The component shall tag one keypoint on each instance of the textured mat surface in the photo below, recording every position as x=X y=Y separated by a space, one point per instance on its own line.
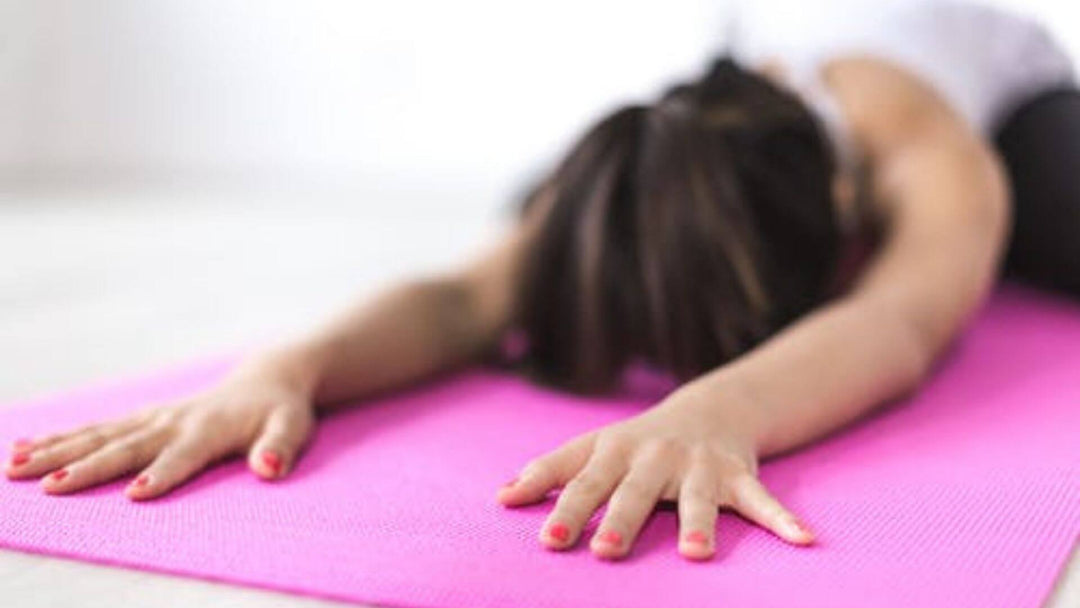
x=968 y=494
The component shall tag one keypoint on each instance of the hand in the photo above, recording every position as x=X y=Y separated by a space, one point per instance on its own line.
x=259 y=409
x=684 y=449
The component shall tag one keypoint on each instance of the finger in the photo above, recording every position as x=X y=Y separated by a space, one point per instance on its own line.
x=22 y=444
x=752 y=500
x=176 y=463
x=27 y=464
x=580 y=498
x=698 y=507
x=30 y=444
x=628 y=508
x=116 y=458
x=284 y=434
x=552 y=470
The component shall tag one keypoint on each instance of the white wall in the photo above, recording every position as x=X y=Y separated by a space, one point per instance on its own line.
x=456 y=90
x=468 y=90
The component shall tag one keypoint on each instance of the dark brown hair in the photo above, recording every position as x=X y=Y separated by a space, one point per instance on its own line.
x=680 y=233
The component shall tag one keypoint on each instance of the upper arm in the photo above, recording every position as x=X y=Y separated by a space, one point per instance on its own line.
x=943 y=194
x=486 y=286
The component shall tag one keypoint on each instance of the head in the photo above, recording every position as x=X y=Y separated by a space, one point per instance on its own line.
x=680 y=233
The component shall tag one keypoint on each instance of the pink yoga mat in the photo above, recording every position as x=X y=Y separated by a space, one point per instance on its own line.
x=968 y=494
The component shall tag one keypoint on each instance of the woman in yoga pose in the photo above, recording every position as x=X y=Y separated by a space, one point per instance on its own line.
x=794 y=244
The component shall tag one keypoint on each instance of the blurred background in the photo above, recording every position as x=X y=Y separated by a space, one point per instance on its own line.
x=181 y=178
x=178 y=178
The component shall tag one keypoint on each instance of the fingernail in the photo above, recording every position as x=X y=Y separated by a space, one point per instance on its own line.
x=798 y=528
x=59 y=474
x=141 y=480
x=272 y=461
x=697 y=537
x=559 y=532
x=611 y=537
x=20 y=458
x=22 y=444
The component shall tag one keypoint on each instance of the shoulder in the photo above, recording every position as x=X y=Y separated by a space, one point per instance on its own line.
x=888 y=106
x=913 y=140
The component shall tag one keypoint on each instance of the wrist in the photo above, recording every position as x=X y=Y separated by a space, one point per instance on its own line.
x=727 y=405
x=299 y=367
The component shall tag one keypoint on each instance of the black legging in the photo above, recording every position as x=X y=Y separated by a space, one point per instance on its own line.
x=1040 y=143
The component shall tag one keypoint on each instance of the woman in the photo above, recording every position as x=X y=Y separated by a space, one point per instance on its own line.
x=795 y=246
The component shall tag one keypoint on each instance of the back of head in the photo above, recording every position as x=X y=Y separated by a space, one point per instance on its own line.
x=680 y=233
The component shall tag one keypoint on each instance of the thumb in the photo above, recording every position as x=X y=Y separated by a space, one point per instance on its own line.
x=284 y=434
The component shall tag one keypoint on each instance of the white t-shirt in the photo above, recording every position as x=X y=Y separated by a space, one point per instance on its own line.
x=984 y=61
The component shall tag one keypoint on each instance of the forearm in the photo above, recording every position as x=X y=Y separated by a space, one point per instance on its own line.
x=819 y=374
x=405 y=333
x=879 y=342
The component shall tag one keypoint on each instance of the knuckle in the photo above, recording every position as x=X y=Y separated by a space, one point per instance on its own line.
x=770 y=512
x=537 y=467
x=661 y=452
x=725 y=496
x=735 y=489
x=203 y=424
x=614 y=441
x=148 y=413
x=738 y=488
x=588 y=484
x=53 y=438
x=163 y=433
x=736 y=469
x=94 y=435
x=698 y=493
x=210 y=419
x=165 y=417
x=309 y=418
x=175 y=457
x=195 y=428
x=704 y=454
x=301 y=419
x=161 y=424
x=188 y=444
x=741 y=479
x=126 y=452
x=79 y=430
x=635 y=490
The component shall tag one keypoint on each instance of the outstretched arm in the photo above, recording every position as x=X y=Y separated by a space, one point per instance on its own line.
x=410 y=331
x=947 y=216
x=944 y=195
x=266 y=406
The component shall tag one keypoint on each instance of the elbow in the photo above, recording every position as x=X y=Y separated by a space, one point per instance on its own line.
x=917 y=369
x=909 y=350
x=915 y=356
x=458 y=315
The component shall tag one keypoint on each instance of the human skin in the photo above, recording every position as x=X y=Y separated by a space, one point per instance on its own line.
x=941 y=194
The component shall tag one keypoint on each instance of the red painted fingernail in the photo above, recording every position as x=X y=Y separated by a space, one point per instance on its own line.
x=59 y=474
x=611 y=537
x=559 y=532
x=141 y=480
x=697 y=537
x=272 y=461
x=20 y=458
x=22 y=444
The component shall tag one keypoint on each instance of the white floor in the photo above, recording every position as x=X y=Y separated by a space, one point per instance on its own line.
x=100 y=283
